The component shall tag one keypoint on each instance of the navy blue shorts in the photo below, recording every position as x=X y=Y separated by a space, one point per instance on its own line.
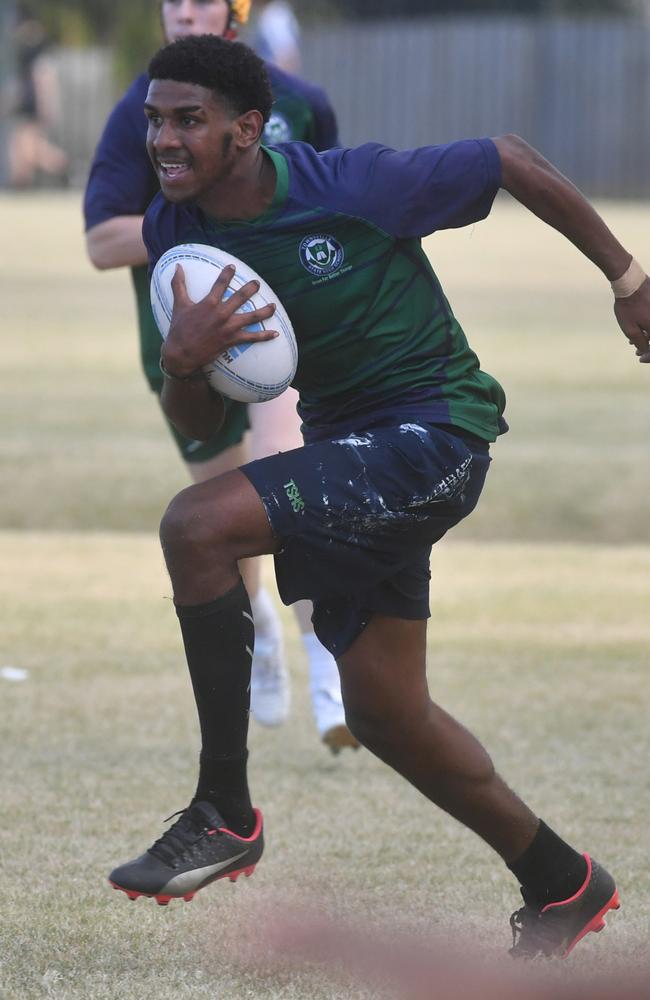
x=356 y=518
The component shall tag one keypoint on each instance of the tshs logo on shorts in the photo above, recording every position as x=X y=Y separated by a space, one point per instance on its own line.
x=277 y=130
x=293 y=494
x=321 y=254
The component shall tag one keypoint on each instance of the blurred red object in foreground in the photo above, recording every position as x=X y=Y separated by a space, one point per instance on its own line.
x=400 y=964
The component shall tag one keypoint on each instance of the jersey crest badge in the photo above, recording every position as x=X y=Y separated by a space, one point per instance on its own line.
x=277 y=130
x=321 y=254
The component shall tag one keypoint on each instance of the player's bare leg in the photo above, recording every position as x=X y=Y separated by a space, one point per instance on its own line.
x=200 y=472
x=388 y=708
x=205 y=532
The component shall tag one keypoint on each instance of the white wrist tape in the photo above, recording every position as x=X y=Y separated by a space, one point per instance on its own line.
x=630 y=282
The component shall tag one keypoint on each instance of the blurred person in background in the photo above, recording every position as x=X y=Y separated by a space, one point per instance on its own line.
x=35 y=107
x=277 y=35
x=120 y=187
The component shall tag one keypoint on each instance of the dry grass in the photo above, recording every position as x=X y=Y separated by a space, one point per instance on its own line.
x=527 y=647
x=540 y=648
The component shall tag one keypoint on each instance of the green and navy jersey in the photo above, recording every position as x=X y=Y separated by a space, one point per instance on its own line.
x=122 y=180
x=340 y=246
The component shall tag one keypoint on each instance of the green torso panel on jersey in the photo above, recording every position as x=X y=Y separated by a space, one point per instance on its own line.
x=122 y=180
x=340 y=246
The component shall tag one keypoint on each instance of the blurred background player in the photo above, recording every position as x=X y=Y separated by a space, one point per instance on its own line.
x=277 y=35
x=120 y=186
x=35 y=107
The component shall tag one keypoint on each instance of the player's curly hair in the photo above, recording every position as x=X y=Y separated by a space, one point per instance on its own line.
x=230 y=69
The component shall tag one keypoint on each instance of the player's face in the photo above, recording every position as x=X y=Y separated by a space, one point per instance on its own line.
x=193 y=17
x=190 y=139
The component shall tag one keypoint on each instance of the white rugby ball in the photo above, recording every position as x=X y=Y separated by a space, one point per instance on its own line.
x=249 y=372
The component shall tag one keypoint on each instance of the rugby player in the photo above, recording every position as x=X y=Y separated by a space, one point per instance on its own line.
x=398 y=420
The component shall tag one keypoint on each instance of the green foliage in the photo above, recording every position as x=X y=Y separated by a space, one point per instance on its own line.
x=130 y=27
x=137 y=35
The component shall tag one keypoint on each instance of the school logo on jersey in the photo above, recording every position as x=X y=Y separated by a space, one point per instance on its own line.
x=321 y=254
x=276 y=130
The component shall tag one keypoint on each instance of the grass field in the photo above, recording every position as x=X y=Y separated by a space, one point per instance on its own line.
x=539 y=640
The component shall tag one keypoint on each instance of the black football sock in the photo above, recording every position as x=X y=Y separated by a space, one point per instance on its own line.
x=549 y=870
x=222 y=781
x=218 y=639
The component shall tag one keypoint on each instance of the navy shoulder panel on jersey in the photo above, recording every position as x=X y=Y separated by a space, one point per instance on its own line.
x=405 y=194
x=121 y=181
x=409 y=193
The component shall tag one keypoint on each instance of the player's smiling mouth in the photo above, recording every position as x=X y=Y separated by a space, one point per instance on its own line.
x=171 y=169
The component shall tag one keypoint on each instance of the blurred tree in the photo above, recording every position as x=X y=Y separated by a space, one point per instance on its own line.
x=131 y=27
x=136 y=36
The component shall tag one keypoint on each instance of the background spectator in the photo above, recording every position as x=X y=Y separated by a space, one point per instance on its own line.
x=35 y=107
x=277 y=35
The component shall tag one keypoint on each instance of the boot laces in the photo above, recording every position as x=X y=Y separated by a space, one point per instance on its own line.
x=532 y=934
x=179 y=839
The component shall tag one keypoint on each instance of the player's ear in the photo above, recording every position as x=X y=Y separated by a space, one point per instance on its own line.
x=249 y=128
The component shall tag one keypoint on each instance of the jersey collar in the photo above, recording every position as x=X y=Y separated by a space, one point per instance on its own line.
x=282 y=179
x=279 y=196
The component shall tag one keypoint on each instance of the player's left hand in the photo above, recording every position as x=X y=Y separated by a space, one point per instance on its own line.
x=633 y=315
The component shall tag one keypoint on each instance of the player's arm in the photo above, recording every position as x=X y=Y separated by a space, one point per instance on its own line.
x=117 y=242
x=196 y=410
x=120 y=186
x=541 y=188
x=200 y=332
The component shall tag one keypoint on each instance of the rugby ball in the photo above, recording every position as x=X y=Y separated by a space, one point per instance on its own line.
x=249 y=372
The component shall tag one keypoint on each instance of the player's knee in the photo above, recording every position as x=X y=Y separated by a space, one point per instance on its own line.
x=188 y=524
x=372 y=724
x=384 y=724
x=361 y=728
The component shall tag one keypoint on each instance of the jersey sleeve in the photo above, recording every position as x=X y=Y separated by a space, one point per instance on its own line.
x=416 y=192
x=151 y=232
x=121 y=180
x=160 y=228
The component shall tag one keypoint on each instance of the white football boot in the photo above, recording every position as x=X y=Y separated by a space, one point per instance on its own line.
x=327 y=703
x=270 y=686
